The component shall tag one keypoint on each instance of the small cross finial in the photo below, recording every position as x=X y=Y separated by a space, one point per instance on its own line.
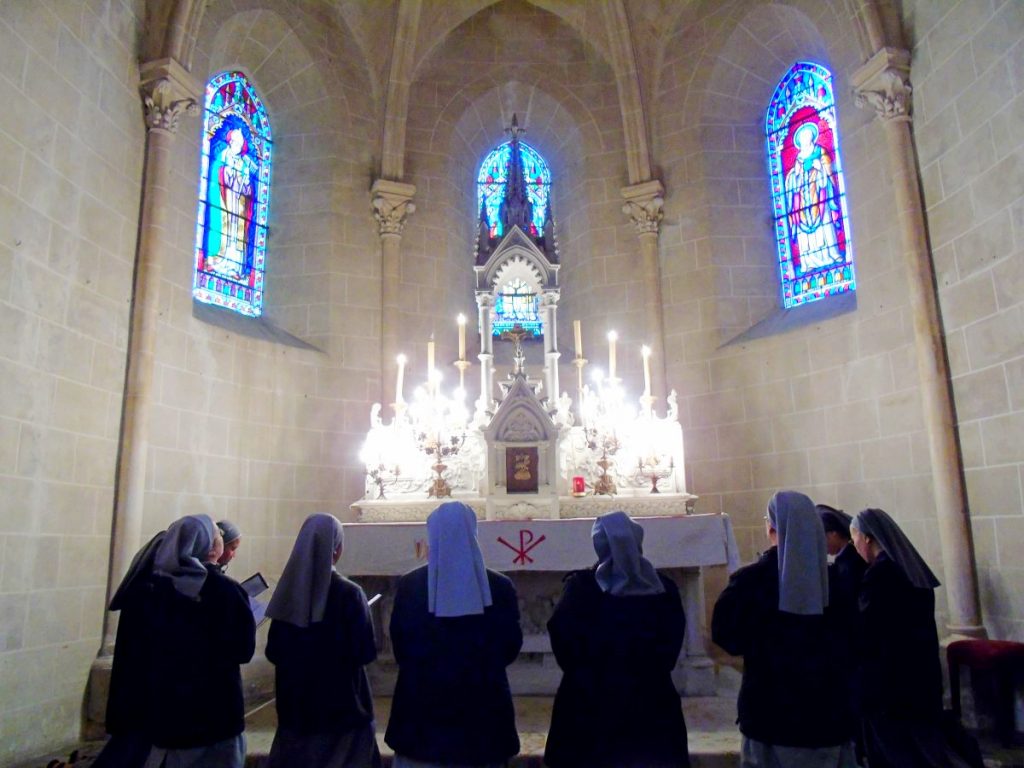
x=514 y=130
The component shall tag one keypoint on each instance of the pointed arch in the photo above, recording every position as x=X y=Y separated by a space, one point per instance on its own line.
x=490 y=185
x=234 y=196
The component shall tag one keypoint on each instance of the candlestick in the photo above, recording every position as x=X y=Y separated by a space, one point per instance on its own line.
x=578 y=334
x=645 y=351
x=612 y=338
x=462 y=337
x=401 y=379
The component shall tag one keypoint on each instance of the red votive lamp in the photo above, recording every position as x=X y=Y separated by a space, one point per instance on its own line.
x=578 y=486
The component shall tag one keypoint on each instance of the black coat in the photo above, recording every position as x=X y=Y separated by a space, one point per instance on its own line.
x=320 y=681
x=196 y=647
x=126 y=712
x=900 y=673
x=848 y=569
x=790 y=694
x=616 y=706
x=452 y=701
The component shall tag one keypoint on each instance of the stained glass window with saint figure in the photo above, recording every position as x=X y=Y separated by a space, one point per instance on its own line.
x=812 y=229
x=234 y=197
x=516 y=303
x=491 y=185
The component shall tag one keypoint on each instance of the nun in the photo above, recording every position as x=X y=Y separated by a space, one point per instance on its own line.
x=199 y=629
x=847 y=565
x=454 y=630
x=320 y=640
x=900 y=678
x=129 y=743
x=775 y=613
x=232 y=536
x=616 y=633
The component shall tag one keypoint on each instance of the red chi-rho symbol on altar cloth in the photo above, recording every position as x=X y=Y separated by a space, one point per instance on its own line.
x=526 y=544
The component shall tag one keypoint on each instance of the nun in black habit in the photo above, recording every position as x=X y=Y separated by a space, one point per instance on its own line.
x=616 y=633
x=775 y=613
x=129 y=743
x=321 y=637
x=900 y=678
x=199 y=629
x=454 y=630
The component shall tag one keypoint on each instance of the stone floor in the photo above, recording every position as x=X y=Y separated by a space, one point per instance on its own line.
x=714 y=738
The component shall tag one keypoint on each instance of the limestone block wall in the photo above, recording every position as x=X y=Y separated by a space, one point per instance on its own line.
x=260 y=430
x=71 y=150
x=968 y=77
x=832 y=408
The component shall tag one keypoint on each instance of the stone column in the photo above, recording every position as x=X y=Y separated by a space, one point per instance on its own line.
x=167 y=90
x=485 y=305
x=883 y=84
x=549 y=305
x=392 y=204
x=644 y=203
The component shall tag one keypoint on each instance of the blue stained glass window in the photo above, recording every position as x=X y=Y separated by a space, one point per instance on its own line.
x=516 y=303
x=491 y=185
x=812 y=228
x=234 y=197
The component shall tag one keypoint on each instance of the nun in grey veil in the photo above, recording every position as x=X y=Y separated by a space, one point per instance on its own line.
x=320 y=640
x=900 y=677
x=200 y=630
x=775 y=614
x=617 y=632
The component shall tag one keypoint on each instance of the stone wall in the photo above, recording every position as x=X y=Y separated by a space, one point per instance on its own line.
x=71 y=150
x=968 y=77
x=829 y=408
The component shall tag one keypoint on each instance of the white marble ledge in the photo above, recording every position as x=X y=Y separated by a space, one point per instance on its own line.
x=523 y=507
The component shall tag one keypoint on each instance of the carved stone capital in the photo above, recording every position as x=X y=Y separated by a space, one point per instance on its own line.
x=883 y=84
x=644 y=205
x=392 y=204
x=168 y=90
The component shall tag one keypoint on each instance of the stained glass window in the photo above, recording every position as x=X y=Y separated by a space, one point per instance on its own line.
x=491 y=185
x=234 y=197
x=812 y=229
x=516 y=303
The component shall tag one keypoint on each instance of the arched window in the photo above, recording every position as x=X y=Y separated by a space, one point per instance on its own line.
x=812 y=229
x=491 y=186
x=516 y=304
x=234 y=197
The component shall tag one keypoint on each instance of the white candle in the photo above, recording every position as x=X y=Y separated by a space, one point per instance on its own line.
x=612 y=338
x=645 y=351
x=401 y=379
x=578 y=334
x=430 y=361
x=462 y=337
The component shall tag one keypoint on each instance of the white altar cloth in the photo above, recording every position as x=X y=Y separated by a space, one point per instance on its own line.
x=691 y=541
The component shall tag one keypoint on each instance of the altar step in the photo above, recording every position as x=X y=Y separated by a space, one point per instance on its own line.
x=714 y=738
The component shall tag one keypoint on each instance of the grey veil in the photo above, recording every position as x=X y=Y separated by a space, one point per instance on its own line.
x=877 y=524
x=803 y=563
x=623 y=570
x=301 y=595
x=181 y=556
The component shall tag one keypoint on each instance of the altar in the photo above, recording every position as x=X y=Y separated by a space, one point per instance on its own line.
x=536 y=554
x=536 y=465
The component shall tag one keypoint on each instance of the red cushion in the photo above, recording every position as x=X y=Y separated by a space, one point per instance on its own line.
x=985 y=654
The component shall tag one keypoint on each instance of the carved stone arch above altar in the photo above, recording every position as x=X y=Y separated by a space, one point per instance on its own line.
x=517 y=256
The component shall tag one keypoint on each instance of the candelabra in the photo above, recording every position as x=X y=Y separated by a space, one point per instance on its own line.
x=439 y=427
x=654 y=469
x=382 y=475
